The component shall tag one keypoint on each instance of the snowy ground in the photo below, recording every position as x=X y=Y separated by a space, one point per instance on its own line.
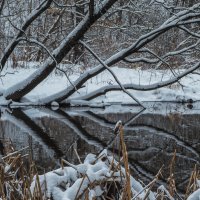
x=57 y=82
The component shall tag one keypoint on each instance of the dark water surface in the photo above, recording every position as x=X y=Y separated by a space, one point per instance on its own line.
x=151 y=136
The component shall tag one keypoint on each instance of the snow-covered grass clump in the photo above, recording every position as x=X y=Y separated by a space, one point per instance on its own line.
x=102 y=177
x=97 y=177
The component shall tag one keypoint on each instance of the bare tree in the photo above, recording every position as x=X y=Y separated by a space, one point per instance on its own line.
x=59 y=53
x=178 y=27
x=21 y=31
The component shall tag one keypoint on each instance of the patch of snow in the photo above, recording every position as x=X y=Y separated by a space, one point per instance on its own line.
x=94 y=169
x=4 y=102
x=57 y=82
x=54 y=105
x=7 y=168
x=195 y=195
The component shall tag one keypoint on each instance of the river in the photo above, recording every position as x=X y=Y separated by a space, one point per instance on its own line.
x=151 y=136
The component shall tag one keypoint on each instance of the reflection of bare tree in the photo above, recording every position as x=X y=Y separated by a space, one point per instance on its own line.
x=143 y=158
x=166 y=134
x=139 y=170
x=73 y=123
x=145 y=149
x=142 y=126
x=144 y=175
x=148 y=153
x=19 y=118
x=82 y=133
x=102 y=120
x=76 y=126
x=96 y=118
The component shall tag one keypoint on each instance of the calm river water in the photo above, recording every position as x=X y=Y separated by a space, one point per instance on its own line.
x=151 y=136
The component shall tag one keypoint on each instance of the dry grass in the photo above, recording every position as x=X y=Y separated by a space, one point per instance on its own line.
x=192 y=185
x=17 y=171
x=16 y=174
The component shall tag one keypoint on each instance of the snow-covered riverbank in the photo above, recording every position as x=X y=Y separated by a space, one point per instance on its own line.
x=185 y=91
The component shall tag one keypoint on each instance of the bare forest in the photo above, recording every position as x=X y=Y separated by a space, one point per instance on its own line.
x=58 y=35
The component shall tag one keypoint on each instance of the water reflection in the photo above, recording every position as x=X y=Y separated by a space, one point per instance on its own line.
x=151 y=135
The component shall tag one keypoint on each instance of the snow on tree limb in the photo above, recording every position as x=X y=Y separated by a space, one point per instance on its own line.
x=191 y=15
x=172 y=22
x=160 y=58
x=112 y=73
x=25 y=86
x=154 y=86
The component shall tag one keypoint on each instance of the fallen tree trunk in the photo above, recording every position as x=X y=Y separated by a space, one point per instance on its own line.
x=24 y=87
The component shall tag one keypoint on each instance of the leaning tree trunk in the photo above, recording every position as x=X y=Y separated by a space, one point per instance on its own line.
x=78 y=50
x=19 y=90
x=173 y=22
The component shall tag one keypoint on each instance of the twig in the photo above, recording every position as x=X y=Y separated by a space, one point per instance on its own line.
x=13 y=153
x=152 y=182
x=112 y=73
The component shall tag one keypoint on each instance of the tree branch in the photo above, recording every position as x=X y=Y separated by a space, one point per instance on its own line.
x=52 y=28
x=154 y=86
x=22 y=88
x=135 y=47
x=189 y=32
x=91 y=8
x=112 y=73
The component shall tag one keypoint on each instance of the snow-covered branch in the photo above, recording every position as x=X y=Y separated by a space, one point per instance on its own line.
x=172 y=22
x=142 y=59
x=189 y=32
x=191 y=15
x=112 y=73
x=160 y=58
x=59 y=53
x=154 y=86
x=69 y=5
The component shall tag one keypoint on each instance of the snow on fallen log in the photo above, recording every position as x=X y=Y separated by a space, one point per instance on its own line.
x=77 y=102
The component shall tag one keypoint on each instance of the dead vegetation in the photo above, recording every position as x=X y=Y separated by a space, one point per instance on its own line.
x=18 y=173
